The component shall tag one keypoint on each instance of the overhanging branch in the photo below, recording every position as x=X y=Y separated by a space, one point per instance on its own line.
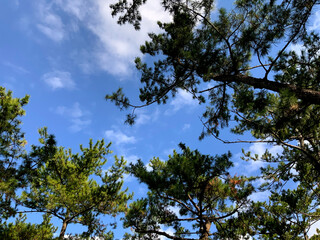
x=308 y=95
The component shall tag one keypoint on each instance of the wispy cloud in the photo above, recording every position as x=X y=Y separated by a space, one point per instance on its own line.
x=182 y=99
x=15 y=67
x=119 y=45
x=131 y=158
x=297 y=48
x=119 y=137
x=260 y=196
x=79 y=124
x=168 y=230
x=144 y=117
x=313 y=230
x=259 y=149
x=316 y=22
x=74 y=112
x=78 y=118
x=315 y=26
x=58 y=79
x=79 y=8
x=50 y=24
x=116 y=46
x=186 y=126
x=175 y=210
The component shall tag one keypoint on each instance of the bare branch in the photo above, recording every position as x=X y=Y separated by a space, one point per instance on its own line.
x=194 y=204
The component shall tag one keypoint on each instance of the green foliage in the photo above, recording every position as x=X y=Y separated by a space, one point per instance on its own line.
x=74 y=187
x=197 y=48
x=20 y=230
x=189 y=192
x=12 y=144
x=238 y=62
x=288 y=214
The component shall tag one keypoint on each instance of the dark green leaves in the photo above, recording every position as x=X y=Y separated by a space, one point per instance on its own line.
x=188 y=188
x=12 y=144
x=74 y=187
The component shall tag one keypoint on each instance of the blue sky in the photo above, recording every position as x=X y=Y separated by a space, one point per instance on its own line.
x=67 y=55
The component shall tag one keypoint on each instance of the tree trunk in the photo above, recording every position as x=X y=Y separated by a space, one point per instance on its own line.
x=305 y=234
x=63 y=230
x=206 y=230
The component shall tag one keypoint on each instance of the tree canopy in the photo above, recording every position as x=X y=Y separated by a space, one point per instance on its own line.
x=239 y=63
x=20 y=230
x=190 y=192
x=75 y=188
x=12 y=144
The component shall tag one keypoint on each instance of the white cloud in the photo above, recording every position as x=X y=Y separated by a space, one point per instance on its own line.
x=50 y=24
x=15 y=67
x=119 y=137
x=297 y=48
x=186 y=126
x=260 y=149
x=181 y=100
x=131 y=158
x=148 y=167
x=58 y=79
x=128 y=178
x=251 y=167
x=120 y=44
x=260 y=196
x=78 y=118
x=316 y=22
x=313 y=230
x=79 y=9
x=116 y=46
x=144 y=117
x=169 y=231
x=175 y=210
x=79 y=124
x=74 y=112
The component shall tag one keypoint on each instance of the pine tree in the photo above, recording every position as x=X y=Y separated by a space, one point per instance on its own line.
x=239 y=64
x=244 y=57
x=190 y=192
x=20 y=230
x=74 y=187
x=12 y=144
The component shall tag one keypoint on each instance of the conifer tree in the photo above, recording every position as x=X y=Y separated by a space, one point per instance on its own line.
x=191 y=193
x=12 y=144
x=20 y=230
x=239 y=63
x=74 y=187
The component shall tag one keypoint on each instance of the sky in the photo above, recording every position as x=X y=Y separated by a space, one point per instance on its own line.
x=68 y=54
